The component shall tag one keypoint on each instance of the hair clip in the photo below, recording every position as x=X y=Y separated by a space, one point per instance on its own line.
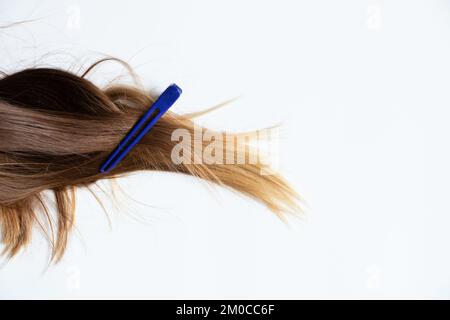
x=142 y=127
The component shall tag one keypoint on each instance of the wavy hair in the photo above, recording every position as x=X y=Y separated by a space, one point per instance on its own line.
x=56 y=129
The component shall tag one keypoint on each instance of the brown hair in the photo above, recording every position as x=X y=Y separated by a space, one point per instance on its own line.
x=56 y=129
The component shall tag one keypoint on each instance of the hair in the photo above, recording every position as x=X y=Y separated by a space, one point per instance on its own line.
x=57 y=128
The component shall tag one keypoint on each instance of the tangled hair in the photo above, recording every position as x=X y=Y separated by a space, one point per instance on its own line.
x=57 y=128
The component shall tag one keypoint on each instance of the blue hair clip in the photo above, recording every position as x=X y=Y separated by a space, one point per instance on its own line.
x=142 y=127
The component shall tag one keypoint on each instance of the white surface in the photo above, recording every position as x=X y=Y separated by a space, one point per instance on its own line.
x=363 y=90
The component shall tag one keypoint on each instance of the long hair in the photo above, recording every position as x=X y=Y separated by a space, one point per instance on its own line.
x=56 y=129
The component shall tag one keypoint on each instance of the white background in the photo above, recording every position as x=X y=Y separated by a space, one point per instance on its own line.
x=362 y=90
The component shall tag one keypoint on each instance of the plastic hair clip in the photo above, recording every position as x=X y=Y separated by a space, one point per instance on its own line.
x=142 y=127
